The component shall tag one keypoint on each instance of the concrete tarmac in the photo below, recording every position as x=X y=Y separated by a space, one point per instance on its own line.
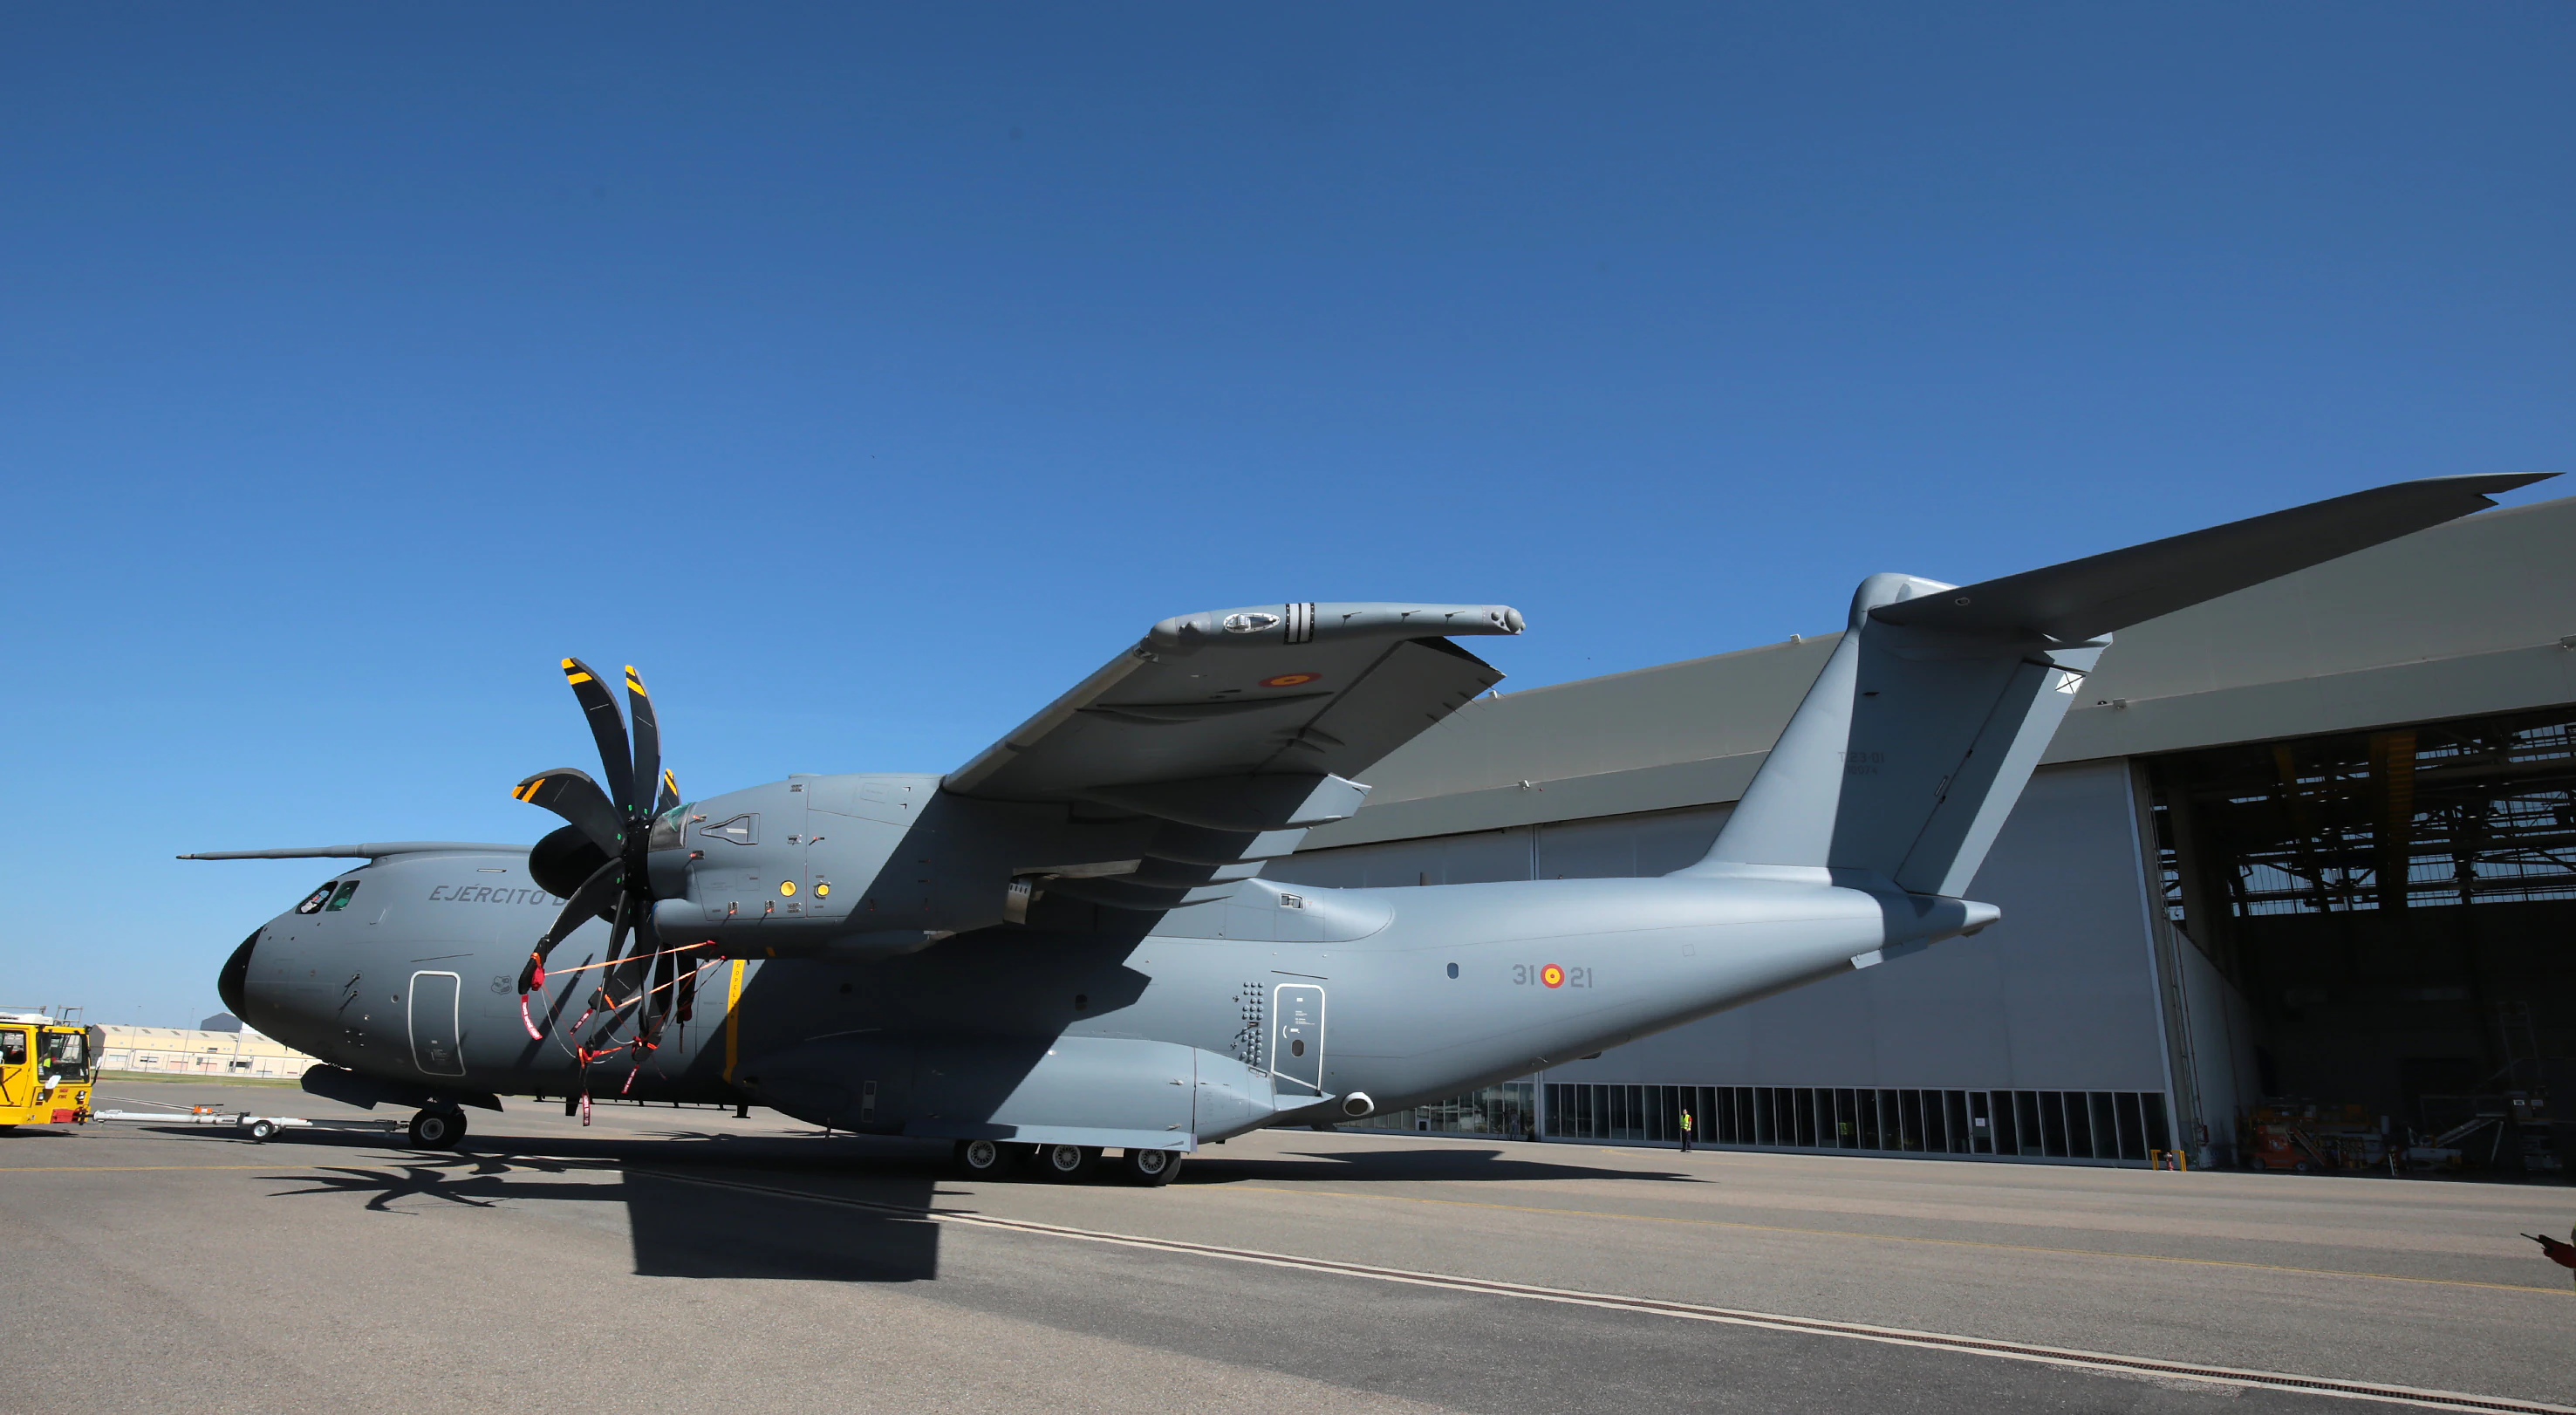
x=682 y=1259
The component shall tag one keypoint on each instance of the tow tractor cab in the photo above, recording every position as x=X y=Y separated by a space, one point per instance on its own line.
x=46 y=1066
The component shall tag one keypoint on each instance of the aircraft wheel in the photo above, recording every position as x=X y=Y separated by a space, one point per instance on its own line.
x=1069 y=1164
x=437 y=1129
x=1151 y=1168
x=987 y=1159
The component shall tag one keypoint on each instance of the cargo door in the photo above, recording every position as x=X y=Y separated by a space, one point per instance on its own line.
x=434 y=1046
x=1297 y=1035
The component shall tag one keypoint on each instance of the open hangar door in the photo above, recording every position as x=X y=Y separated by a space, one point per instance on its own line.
x=2382 y=942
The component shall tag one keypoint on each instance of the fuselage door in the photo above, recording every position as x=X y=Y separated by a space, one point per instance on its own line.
x=434 y=1046
x=1297 y=1035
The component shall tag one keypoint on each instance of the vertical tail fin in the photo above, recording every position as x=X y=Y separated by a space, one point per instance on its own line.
x=1909 y=751
x=1918 y=736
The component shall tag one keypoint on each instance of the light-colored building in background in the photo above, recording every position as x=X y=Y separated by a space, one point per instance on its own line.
x=198 y=1051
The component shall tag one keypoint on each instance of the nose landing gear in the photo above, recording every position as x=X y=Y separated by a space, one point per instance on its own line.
x=437 y=1129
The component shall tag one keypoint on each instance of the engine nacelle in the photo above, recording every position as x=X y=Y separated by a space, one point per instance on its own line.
x=832 y=865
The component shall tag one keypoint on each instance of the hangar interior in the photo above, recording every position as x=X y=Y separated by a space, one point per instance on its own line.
x=2394 y=909
x=2309 y=845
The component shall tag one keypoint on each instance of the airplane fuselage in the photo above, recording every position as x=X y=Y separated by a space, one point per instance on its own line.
x=1273 y=1003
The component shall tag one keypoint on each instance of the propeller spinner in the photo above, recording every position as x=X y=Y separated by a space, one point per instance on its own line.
x=610 y=825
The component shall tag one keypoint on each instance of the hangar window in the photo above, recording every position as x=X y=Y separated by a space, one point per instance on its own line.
x=1508 y=1109
x=2118 y=1126
x=340 y=897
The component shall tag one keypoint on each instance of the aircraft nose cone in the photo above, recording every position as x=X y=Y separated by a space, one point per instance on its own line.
x=229 y=983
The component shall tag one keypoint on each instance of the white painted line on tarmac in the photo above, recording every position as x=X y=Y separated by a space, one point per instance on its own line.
x=1769 y=1321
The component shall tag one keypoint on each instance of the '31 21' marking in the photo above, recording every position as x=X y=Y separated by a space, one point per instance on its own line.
x=1550 y=975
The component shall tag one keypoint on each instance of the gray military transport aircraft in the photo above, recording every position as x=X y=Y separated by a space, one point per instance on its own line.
x=1064 y=946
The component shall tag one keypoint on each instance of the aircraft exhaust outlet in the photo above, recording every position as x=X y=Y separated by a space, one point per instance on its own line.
x=1357 y=1104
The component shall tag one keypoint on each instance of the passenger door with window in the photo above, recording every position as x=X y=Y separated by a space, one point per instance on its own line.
x=435 y=1044
x=1297 y=1038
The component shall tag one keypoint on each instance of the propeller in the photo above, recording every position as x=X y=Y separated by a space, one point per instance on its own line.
x=608 y=831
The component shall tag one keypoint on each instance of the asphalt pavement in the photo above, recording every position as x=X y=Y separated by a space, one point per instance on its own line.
x=665 y=1259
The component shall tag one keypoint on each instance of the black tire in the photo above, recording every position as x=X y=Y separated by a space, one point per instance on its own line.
x=1150 y=1168
x=437 y=1129
x=1068 y=1164
x=986 y=1159
x=261 y=1130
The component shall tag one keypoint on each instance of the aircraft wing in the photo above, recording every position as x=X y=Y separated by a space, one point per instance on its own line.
x=369 y=850
x=1246 y=721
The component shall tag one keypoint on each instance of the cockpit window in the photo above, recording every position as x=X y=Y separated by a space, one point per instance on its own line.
x=666 y=829
x=313 y=902
x=340 y=897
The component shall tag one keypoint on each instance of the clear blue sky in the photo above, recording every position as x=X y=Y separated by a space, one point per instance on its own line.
x=869 y=375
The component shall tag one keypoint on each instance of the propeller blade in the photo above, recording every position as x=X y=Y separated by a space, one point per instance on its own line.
x=648 y=738
x=663 y=986
x=607 y=729
x=572 y=795
x=584 y=903
x=619 y=970
x=670 y=796
x=614 y=964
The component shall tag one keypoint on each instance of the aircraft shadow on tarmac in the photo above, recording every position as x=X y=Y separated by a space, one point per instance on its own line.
x=1450 y=1163
x=685 y=1218
x=679 y=1228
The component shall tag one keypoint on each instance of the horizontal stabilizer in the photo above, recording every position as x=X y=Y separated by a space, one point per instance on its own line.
x=368 y=850
x=2085 y=599
x=1926 y=721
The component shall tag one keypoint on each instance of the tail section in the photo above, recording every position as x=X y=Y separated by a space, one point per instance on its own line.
x=1918 y=736
x=1909 y=750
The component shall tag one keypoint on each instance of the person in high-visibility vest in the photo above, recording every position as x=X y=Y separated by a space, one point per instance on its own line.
x=1686 y=1131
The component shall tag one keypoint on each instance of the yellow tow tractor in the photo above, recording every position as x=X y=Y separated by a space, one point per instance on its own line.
x=46 y=1066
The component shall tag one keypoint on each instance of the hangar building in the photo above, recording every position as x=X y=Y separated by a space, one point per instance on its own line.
x=2315 y=839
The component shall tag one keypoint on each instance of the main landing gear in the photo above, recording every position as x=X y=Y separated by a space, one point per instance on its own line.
x=1065 y=1164
x=1150 y=1168
x=987 y=1159
x=437 y=1129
